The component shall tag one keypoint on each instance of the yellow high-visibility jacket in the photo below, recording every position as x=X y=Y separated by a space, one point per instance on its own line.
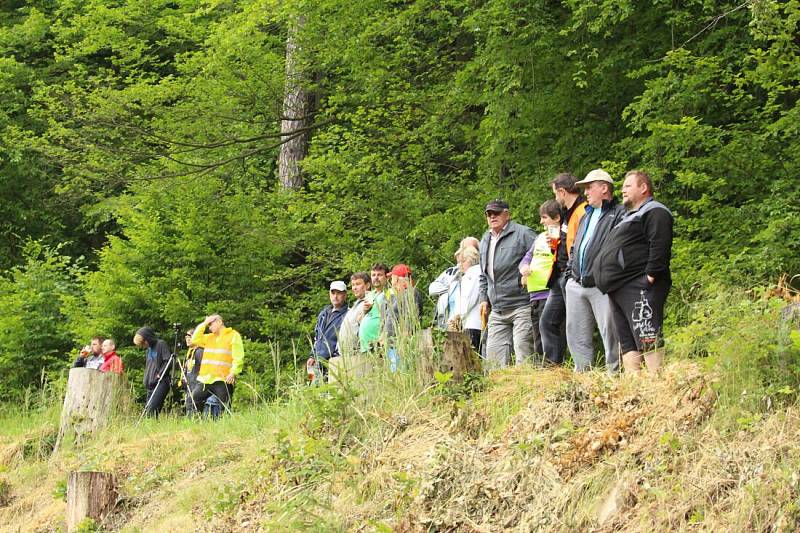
x=223 y=353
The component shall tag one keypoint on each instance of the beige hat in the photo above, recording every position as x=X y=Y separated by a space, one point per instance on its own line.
x=595 y=175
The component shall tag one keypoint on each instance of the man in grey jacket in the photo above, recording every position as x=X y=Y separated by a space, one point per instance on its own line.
x=509 y=323
x=587 y=307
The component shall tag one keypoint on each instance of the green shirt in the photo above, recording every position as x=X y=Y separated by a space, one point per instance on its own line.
x=369 y=330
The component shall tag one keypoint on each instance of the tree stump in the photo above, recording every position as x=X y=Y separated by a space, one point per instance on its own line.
x=455 y=355
x=89 y=495
x=91 y=398
x=458 y=356
x=427 y=362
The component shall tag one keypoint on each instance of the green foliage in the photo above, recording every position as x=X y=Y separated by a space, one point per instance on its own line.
x=747 y=338
x=35 y=333
x=60 y=491
x=145 y=137
x=87 y=525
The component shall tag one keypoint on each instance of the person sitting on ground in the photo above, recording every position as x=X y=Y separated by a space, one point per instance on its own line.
x=191 y=368
x=463 y=307
x=536 y=268
x=360 y=284
x=157 y=369
x=223 y=360
x=326 y=330
x=401 y=311
x=91 y=356
x=440 y=288
x=111 y=361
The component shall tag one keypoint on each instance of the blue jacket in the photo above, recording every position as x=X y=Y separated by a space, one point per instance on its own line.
x=326 y=332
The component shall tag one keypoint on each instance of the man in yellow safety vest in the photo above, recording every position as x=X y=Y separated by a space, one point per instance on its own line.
x=223 y=358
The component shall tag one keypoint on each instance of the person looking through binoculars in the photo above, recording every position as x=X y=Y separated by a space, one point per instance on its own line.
x=223 y=359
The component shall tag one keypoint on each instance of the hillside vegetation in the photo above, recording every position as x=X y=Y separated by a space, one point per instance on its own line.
x=709 y=445
x=140 y=142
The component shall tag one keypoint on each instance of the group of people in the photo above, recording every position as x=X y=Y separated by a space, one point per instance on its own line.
x=600 y=264
x=101 y=355
x=521 y=296
x=206 y=376
x=387 y=305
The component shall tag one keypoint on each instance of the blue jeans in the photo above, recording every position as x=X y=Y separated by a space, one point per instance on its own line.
x=394 y=359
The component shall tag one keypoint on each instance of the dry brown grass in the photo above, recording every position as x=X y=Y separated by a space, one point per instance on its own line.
x=539 y=450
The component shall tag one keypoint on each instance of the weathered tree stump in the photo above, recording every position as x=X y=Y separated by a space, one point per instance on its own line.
x=454 y=355
x=458 y=356
x=89 y=495
x=427 y=362
x=90 y=400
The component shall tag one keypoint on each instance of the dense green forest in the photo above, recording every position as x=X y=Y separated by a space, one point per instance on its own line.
x=161 y=160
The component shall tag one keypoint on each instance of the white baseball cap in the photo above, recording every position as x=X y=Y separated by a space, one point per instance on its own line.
x=597 y=174
x=338 y=286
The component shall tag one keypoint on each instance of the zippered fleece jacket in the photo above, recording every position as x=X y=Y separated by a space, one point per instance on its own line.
x=640 y=244
x=611 y=214
x=326 y=332
x=505 y=292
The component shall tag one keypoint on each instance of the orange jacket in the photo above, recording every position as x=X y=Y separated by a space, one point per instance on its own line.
x=572 y=227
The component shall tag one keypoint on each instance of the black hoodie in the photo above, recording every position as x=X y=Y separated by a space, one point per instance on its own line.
x=155 y=360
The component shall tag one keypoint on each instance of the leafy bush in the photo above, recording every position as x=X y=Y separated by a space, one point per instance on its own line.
x=35 y=335
x=752 y=338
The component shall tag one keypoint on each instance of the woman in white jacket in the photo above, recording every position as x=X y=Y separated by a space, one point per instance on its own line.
x=464 y=313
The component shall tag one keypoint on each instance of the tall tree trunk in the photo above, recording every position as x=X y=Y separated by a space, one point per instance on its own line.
x=296 y=108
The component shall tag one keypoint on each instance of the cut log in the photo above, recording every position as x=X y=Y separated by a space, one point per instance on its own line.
x=89 y=495
x=90 y=400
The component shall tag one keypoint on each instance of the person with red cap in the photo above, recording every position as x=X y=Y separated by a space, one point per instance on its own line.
x=403 y=310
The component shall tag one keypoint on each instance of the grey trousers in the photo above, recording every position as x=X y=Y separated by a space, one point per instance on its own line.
x=587 y=307
x=507 y=330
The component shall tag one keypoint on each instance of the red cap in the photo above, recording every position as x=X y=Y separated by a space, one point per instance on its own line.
x=401 y=270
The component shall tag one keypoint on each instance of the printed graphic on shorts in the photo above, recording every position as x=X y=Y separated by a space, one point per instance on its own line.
x=642 y=320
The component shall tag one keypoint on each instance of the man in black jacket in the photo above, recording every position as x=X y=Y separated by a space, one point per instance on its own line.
x=157 y=369
x=633 y=269
x=587 y=307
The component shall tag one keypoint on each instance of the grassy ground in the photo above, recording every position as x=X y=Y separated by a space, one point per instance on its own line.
x=524 y=450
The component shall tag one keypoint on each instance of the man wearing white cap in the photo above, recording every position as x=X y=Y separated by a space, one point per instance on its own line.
x=329 y=320
x=587 y=307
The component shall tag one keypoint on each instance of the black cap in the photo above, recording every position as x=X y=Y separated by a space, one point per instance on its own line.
x=496 y=205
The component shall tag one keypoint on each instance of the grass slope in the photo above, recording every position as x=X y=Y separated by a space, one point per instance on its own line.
x=536 y=450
